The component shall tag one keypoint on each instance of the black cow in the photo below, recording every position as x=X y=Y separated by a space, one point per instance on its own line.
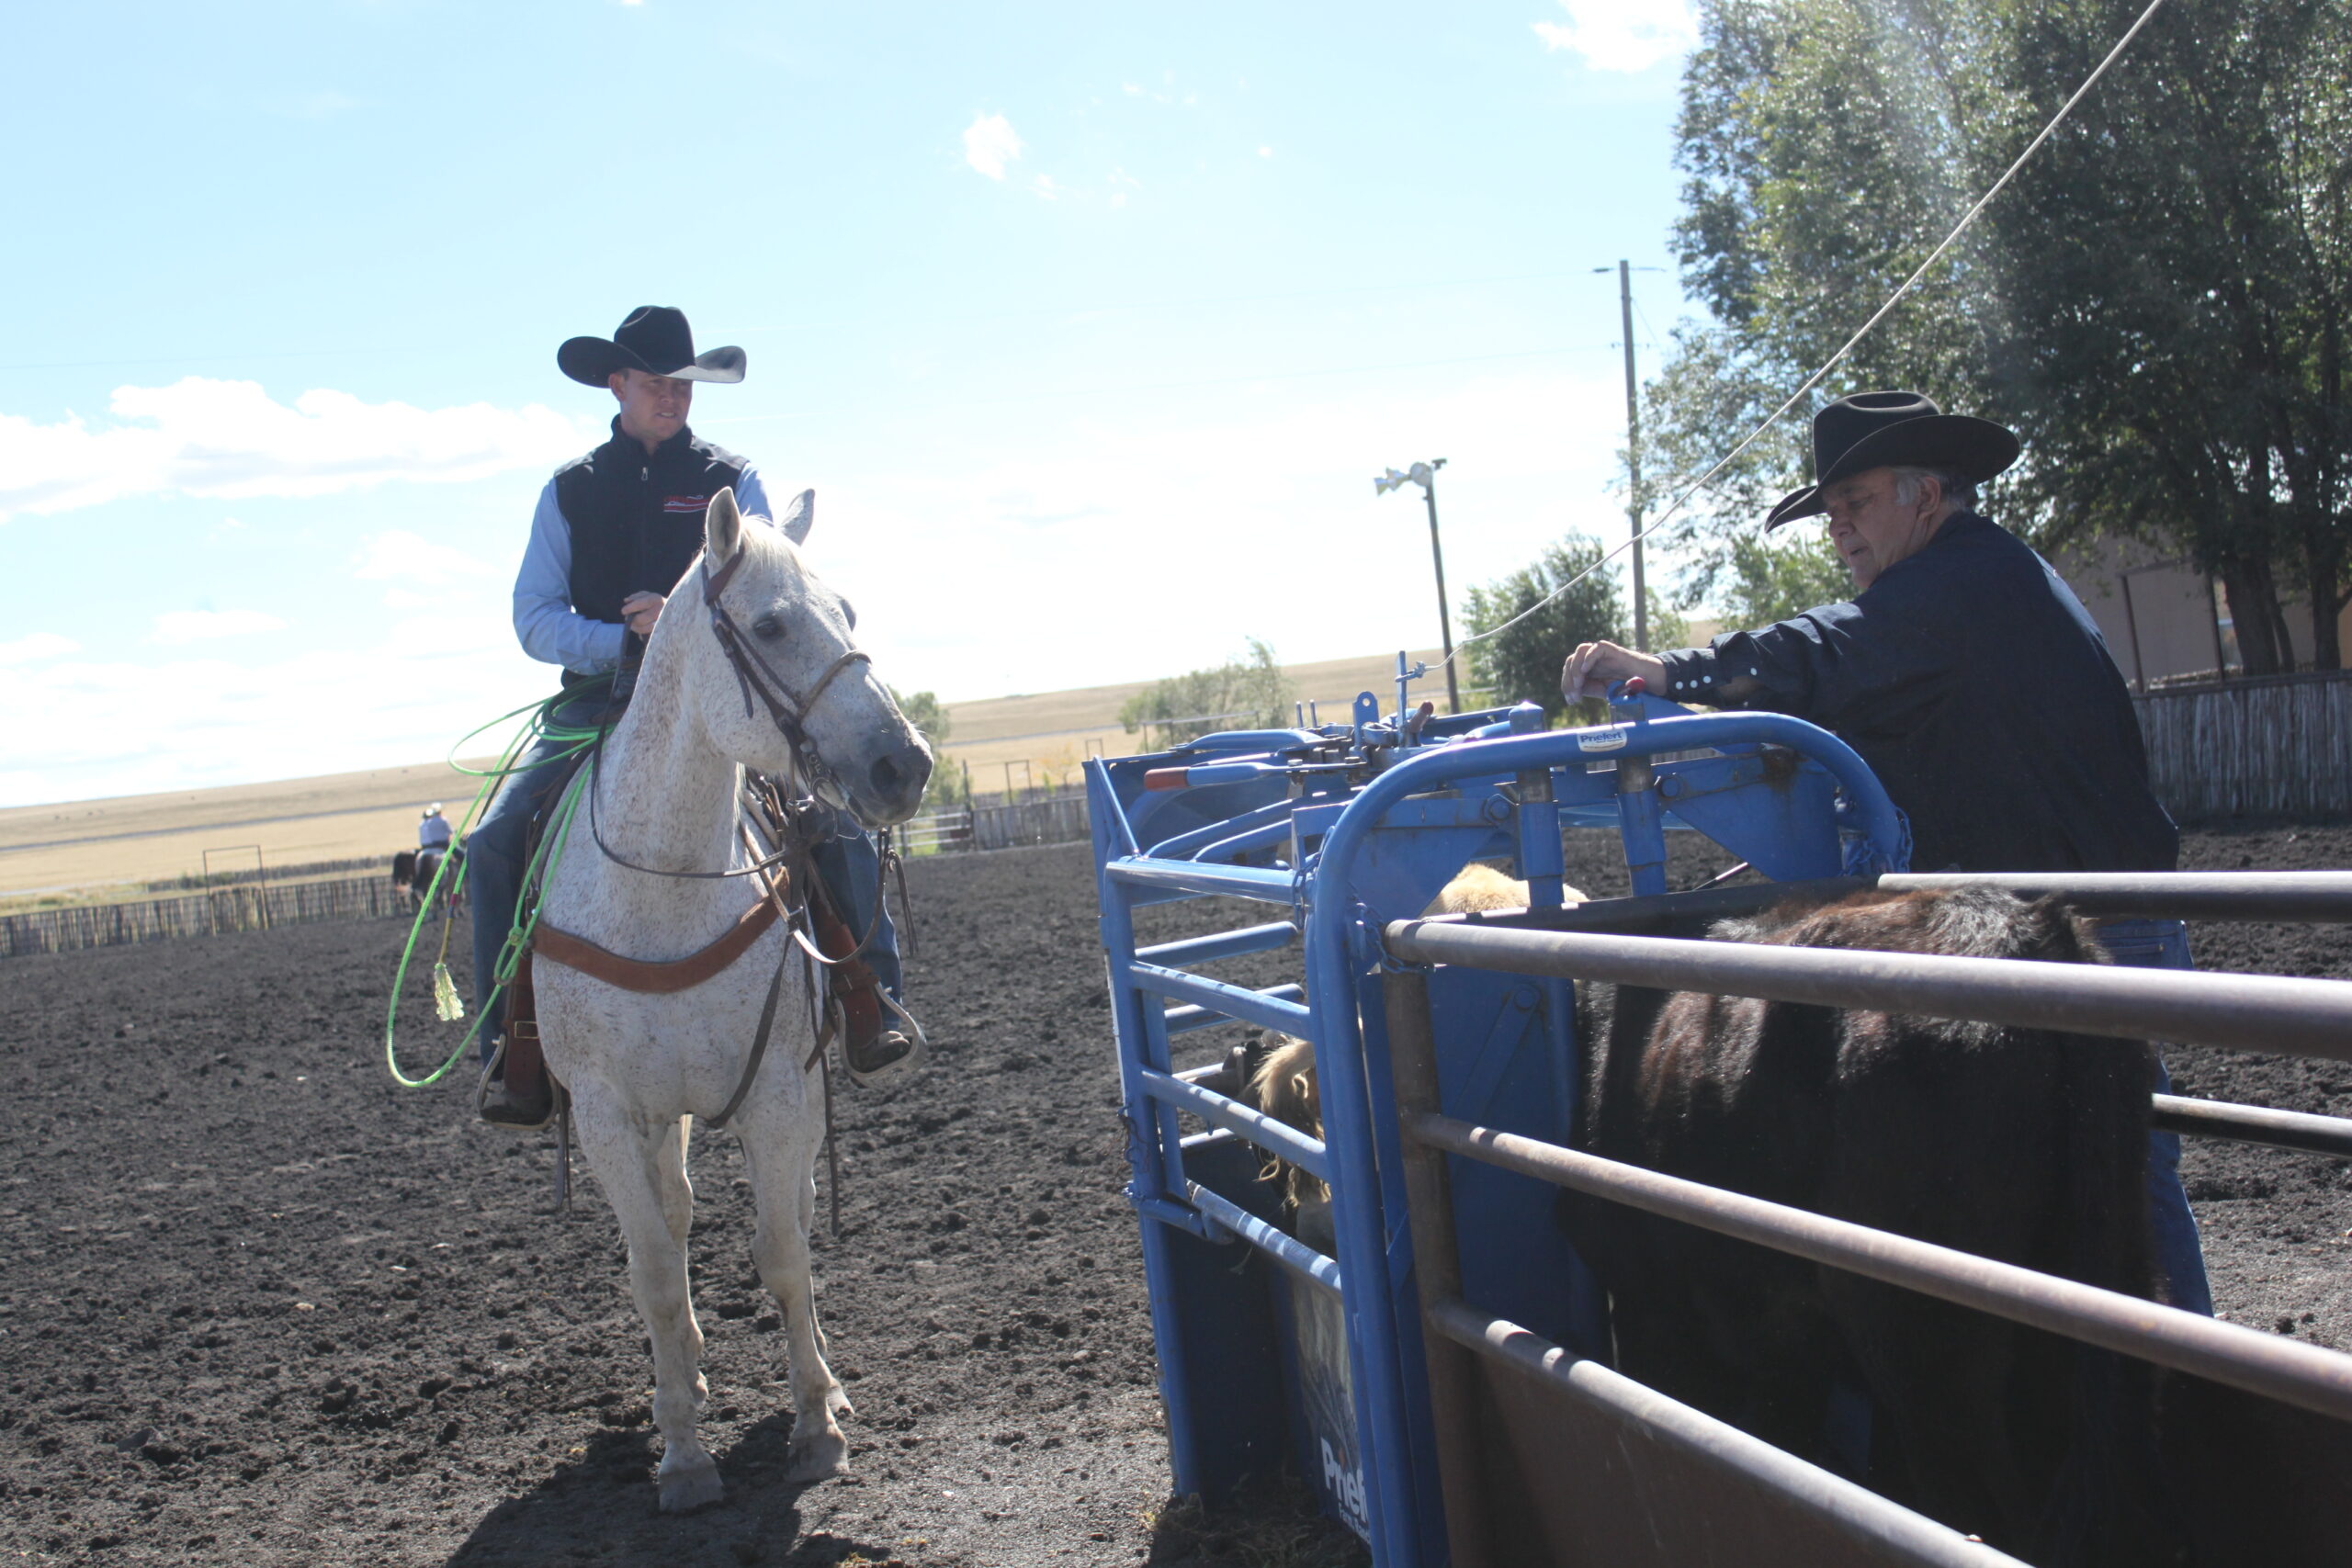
x=2022 y=1144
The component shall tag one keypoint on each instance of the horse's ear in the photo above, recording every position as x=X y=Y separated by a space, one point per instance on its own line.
x=722 y=526
x=800 y=517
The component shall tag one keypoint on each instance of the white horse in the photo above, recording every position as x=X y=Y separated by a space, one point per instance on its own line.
x=638 y=1065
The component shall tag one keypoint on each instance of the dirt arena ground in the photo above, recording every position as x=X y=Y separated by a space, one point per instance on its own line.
x=262 y=1307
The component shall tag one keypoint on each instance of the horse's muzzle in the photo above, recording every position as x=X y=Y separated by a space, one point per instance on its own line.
x=898 y=779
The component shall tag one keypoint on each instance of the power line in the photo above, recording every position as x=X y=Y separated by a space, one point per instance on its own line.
x=1836 y=359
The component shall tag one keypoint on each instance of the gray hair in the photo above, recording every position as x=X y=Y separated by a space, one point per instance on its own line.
x=1957 y=492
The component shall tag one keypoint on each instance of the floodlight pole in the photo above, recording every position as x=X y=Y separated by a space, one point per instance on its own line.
x=1444 y=621
x=1633 y=455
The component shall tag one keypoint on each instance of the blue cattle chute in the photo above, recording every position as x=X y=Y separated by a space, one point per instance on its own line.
x=1278 y=1353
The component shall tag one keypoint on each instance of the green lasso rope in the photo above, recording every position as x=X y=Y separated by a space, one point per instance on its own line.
x=537 y=725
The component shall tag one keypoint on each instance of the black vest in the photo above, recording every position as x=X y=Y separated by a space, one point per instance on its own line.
x=636 y=517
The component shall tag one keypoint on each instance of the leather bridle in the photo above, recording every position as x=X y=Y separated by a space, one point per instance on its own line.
x=788 y=710
x=756 y=677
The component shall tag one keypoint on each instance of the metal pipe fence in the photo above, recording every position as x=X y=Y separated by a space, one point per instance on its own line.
x=2285 y=1370
x=1881 y=1530
x=2239 y=1013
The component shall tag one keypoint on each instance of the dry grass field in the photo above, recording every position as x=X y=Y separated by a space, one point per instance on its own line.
x=138 y=837
x=1053 y=732
x=95 y=847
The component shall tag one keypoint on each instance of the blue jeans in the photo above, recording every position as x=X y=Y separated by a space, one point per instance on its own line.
x=848 y=862
x=495 y=850
x=852 y=867
x=2164 y=944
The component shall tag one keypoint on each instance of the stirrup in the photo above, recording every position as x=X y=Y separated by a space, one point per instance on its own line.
x=897 y=1067
x=494 y=1105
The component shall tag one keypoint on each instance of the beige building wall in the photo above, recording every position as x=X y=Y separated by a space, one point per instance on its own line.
x=2164 y=627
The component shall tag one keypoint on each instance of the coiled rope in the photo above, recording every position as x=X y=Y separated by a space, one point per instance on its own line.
x=538 y=724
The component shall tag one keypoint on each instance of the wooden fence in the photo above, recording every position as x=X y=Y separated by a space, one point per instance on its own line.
x=2277 y=746
x=243 y=906
x=231 y=909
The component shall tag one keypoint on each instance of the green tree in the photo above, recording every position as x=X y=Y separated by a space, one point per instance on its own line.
x=1772 y=578
x=927 y=714
x=2157 y=304
x=2179 y=266
x=924 y=711
x=1248 y=692
x=1522 y=663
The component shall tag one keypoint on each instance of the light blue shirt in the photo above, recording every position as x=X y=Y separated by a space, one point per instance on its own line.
x=552 y=630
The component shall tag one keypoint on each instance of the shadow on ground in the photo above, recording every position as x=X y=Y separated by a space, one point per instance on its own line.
x=599 y=1509
x=1266 y=1525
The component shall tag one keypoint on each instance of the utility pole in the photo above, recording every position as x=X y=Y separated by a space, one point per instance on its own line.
x=1444 y=621
x=1425 y=476
x=1633 y=459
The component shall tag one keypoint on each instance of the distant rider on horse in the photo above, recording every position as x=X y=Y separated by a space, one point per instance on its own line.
x=614 y=531
x=432 y=831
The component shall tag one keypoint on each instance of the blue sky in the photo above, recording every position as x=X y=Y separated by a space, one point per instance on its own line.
x=1089 y=326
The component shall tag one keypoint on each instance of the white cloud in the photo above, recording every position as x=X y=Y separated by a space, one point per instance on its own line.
x=36 y=647
x=1622 y=35
x=1289 y=482
x=1274 y=474
x=230 y=439
x=397 y=554
x=990 y=143
x=132 y=726
x=177 y=627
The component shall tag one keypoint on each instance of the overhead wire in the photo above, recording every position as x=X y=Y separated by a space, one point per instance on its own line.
x=1837 y=359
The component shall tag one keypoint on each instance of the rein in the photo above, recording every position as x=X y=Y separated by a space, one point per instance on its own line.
x=789 y=712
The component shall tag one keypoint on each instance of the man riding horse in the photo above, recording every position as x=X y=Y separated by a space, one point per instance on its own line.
x=614 y=531
x=1972 y=681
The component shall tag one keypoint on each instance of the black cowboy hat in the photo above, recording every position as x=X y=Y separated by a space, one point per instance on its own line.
x=1885 y=430
x=656 y=340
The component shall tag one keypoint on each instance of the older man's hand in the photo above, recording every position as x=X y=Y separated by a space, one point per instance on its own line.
x=639 y=611
x=1594 y=667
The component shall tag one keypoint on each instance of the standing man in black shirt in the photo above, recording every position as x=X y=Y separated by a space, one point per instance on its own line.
x=1970 y=679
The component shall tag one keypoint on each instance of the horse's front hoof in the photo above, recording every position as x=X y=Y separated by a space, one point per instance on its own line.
x=691 y=1487
x=815 y=1457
